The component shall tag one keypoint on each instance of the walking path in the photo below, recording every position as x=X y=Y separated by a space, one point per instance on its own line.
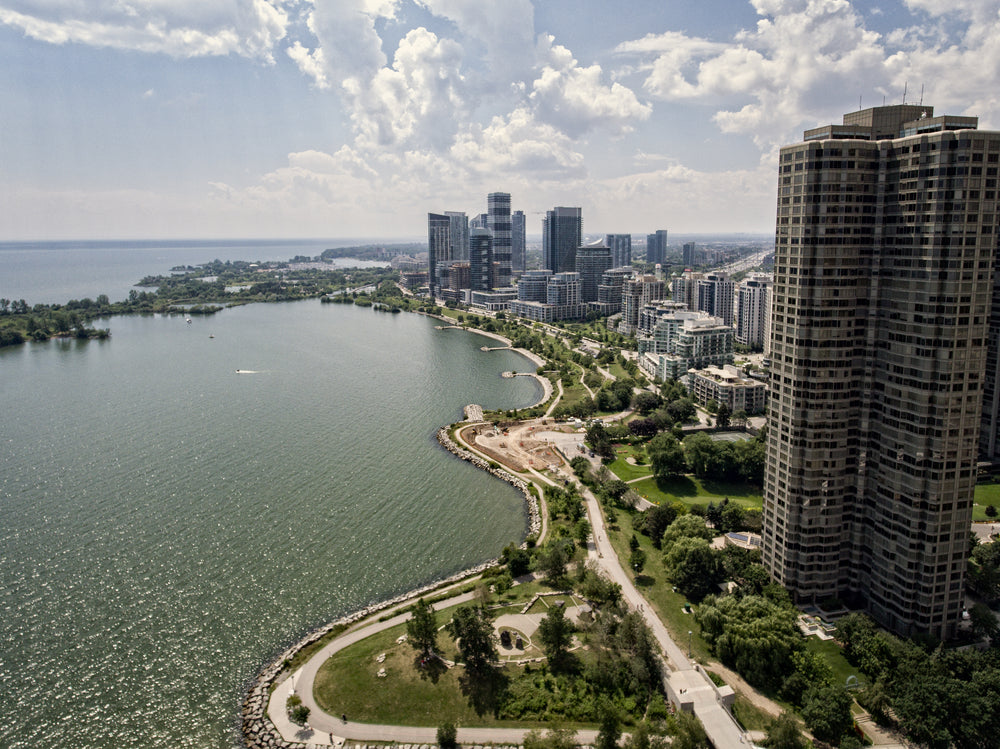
x=686 y=682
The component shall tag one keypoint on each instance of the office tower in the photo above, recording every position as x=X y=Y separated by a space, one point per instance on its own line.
x=688 y=258
x=884 y=249
x=459 y=236
x=480 y=260
x=656 y=247
x=438 y=247
x=562 y=232
x=753 y=311
x=621 y=249
x=715 y=296
x=518 y=241
x=480 y=221
x=498 y=222
x=592 y=261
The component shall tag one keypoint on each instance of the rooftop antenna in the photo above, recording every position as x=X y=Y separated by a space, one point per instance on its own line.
x=907 y=83
x=859 y=102
x=921 y=94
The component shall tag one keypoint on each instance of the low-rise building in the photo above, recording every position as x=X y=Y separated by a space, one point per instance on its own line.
x=727 y=385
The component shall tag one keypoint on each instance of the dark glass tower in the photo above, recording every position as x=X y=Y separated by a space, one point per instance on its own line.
x=562 y=232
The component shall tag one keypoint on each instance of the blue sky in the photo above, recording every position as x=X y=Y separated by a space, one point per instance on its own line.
x=354 y=118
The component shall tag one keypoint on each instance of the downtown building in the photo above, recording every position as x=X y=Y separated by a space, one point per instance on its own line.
x=518 y=241
x=656 y=247
x=884 y=249
x=753 y=311
x=592 y=262
x=562 y=233
x=621 y=249
x=498 y=221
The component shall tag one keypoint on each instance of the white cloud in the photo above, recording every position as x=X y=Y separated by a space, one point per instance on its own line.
x=793 y=68
x=185 y=28
x=418 y=102
x=575 y=100
x=311 y=62
x=518 y=144
x=503 y=32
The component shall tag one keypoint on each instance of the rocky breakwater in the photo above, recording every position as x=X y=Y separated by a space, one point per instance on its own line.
x=535 y=520
x=257 y=729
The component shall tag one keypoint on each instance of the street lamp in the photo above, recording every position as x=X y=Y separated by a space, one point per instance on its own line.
x=689 y=643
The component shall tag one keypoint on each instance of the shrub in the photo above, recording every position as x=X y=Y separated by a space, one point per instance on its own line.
x=447 y=736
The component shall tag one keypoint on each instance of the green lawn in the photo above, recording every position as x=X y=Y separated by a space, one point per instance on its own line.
x=832 y=653
x=987 y=495
x=694 y=491
x=625 y=470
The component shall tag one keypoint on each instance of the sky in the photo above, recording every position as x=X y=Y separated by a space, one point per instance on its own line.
x=355 y=118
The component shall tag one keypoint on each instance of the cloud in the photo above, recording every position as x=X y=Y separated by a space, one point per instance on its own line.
x=518 y=144
x=575 y=100
x=418 y=102
x=249 y=28
x=503 y=32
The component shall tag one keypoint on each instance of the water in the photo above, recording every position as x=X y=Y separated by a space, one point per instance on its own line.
x=55 y=272
x=167 y=525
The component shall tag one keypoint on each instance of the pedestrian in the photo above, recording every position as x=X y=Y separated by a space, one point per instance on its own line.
x=344 y=717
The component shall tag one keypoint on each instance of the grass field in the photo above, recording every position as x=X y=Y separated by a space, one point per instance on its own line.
x=987 y=495
x=693 y=491
x=625 y=470
x=833 y=655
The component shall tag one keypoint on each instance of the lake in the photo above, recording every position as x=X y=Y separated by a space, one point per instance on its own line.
x=167 y=525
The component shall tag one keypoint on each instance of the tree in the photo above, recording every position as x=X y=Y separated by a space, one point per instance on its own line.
x=666 y=455
x=688 y=732
x=655 y=521
x=447 y=736
x=552 y=560
x=722 y=415
x=644 y=402
x=694 y=567
x=827 y=712
x=297 y=712
x=984 y=621
x=783 y=733
x=518 y=560
x=599 y=441
x=610 y=730
x=421 y=628
x=732 y=518
x=555 y=632
x=556 y=738
x=752 y=635
x=699 y=451
x=472 y=629
x=686 y=526
x=637 y=560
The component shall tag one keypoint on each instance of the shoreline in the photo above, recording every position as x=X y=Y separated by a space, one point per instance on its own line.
x=547 y=389
x=256 y=729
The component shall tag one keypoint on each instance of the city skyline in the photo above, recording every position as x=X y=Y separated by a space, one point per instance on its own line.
x=295 y=118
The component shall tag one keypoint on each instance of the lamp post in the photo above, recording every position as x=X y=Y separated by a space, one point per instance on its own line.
x=689 y=643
